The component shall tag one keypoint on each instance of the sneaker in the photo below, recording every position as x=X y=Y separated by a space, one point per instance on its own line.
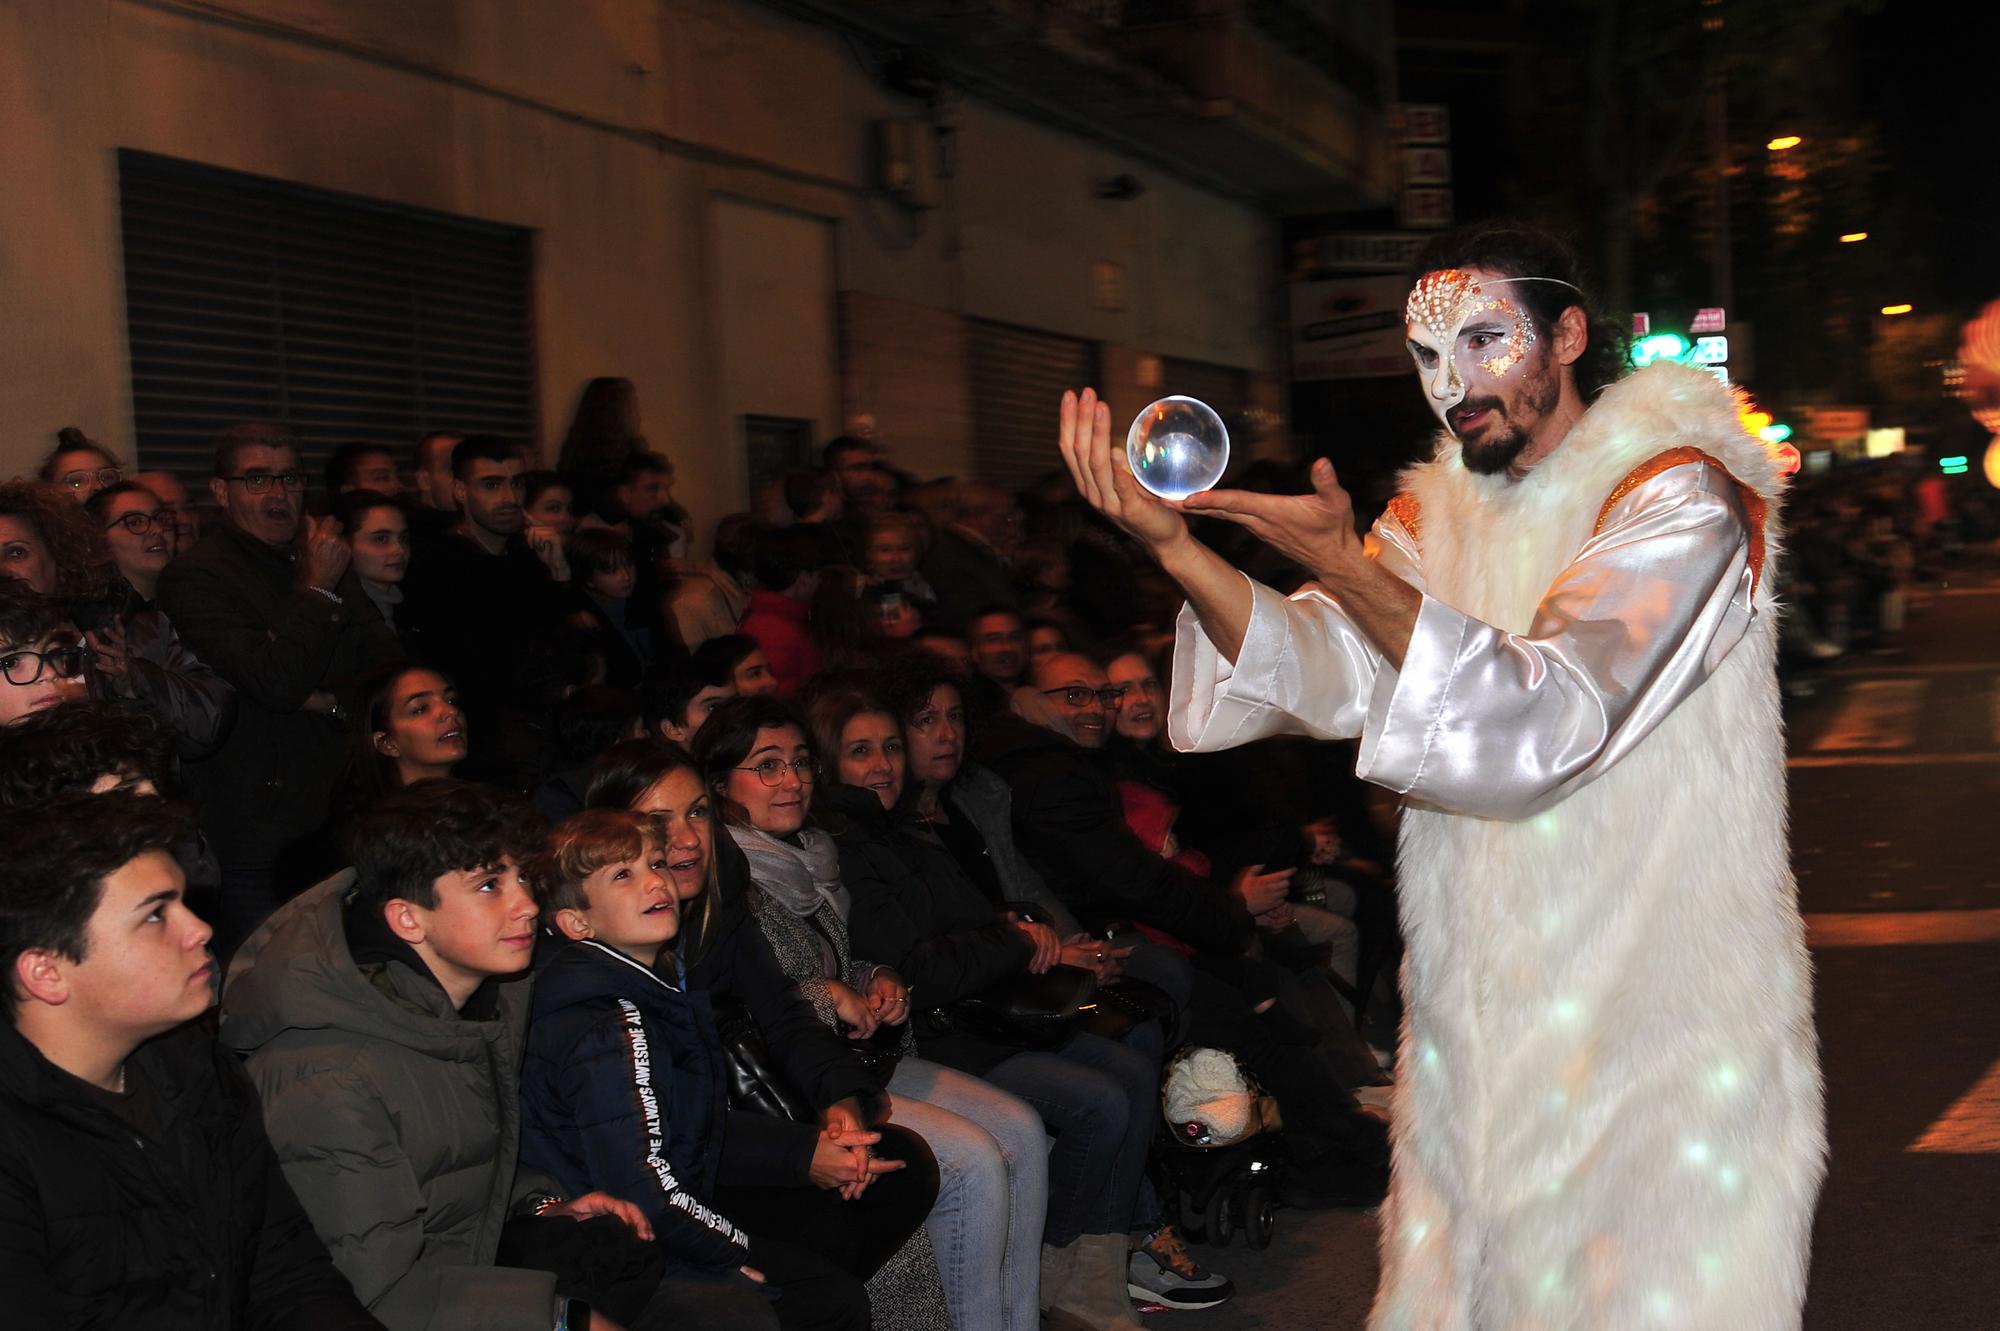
x=1161 y=1270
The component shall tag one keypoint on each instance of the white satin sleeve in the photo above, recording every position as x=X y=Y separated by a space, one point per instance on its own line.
x=1304 y=669
x=1504 y=725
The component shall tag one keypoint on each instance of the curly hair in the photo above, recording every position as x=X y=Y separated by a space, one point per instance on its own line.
x=84 y=567
x=66 y=750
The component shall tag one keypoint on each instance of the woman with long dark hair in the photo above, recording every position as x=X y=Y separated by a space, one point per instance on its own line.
x=876 y=1230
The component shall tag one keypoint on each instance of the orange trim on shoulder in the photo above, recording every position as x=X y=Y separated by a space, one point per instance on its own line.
x=1755 y=506
x=1405 y=509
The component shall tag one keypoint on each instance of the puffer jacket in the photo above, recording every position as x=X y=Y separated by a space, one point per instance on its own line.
x=396 y=1118
x=624 y=1092
x=191 y=1226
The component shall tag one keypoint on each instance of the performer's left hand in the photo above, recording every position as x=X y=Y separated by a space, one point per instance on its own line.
x=1315 y=531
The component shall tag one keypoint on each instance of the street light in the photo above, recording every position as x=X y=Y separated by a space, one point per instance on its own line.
x=1784 y=143
x=1853 y=236
x=1897 y=309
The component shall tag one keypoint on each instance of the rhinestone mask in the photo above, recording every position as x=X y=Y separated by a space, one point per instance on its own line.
x=1440 y=306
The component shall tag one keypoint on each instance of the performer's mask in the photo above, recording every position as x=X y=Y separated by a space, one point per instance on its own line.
x=1464 y=336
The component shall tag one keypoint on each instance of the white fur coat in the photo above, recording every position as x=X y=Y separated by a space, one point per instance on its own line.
x=1608 y=1109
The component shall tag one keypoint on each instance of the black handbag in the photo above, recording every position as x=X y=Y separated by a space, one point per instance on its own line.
x=757 y=1084
x=1028 y=1011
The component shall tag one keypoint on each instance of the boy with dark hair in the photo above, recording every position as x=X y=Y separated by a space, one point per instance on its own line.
x=743 y=658
x=675 y=707
x=137 y=1187
x=362 y=466
x=383 y=1014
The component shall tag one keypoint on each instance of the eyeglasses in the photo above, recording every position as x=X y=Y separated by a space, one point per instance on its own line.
x=140 y=523
x=103 y=476
x=772 y=771
x=258 y=482
x=1076 y=695
x=23 y=666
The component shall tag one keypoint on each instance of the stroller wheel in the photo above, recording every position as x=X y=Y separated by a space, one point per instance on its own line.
x=1259 y=1217
x=1221 y=1221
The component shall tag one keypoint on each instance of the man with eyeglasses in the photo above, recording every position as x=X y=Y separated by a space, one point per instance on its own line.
x=42 y=656
x=267 y=598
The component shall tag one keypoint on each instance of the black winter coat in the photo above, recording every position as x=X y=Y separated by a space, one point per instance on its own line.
x=236 y=604
x=624 y=1091
x=103 y=1226
x=1070 y=823
x=914 y=909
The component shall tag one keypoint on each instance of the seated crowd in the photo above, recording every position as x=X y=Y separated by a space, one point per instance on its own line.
x=451 y=904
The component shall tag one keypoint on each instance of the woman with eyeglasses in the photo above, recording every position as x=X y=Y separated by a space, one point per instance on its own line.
x=763 y=772
x=779 y=1177
x=78 y=466
x=61 y=550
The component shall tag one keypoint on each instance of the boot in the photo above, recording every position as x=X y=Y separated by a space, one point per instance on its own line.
x=1095 y=1296
x=1057 y=1264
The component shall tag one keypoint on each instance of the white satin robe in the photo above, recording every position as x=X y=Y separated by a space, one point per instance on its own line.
x=1608 y=1107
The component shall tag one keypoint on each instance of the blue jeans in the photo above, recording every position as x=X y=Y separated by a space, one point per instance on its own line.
x=993 y=1162
x=1098 y=1097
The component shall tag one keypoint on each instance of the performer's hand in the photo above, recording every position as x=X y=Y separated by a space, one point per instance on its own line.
x=1106 y=484
x=1315 y=531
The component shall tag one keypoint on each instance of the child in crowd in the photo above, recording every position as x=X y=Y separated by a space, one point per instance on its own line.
x=623 y=1087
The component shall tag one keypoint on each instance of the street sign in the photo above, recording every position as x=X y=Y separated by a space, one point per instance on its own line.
x=1707 y=321
x=1423 y=122
x=1831 y=424
x=1426 y=166
x=1426 y=207
x=1357 y=252
x=1709 y=351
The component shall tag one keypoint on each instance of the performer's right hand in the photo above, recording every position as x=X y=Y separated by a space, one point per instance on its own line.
x=1106 y=484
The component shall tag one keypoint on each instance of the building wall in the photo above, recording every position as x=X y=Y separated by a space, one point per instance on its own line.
x=693 y=169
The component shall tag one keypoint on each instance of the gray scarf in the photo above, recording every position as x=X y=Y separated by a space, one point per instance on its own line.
x=798 y=876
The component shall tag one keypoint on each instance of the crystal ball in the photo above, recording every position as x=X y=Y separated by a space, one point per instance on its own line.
x=1177 y=446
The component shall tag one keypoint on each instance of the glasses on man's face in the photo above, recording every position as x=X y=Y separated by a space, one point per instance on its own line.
x=140 y=523
x=23 y=666
x=95 y=478
x=260 y=482
x=771 y=771
x=1076 y=695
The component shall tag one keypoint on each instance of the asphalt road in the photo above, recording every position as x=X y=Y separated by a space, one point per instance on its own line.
x=1895 y=774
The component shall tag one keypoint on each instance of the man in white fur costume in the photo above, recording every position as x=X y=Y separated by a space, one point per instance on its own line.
x=1558 y=644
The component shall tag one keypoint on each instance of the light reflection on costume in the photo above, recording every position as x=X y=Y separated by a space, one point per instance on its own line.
x=1608 y=1105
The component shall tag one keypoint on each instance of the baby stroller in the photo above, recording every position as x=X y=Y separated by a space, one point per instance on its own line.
x=1217 y=1164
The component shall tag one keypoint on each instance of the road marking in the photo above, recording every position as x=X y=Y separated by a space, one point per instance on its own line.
x=1971 y=1126
x=1875 y=714
x=1902 y=928
x=1889 y=759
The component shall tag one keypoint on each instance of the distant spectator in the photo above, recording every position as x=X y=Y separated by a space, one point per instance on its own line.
x=362 y=466
x=84 y=748
x=377 y=531
x=604 y=576
x=140 y=1188
x=435 y=508
x=139 y=532
x=174 y=502
x=79 y=466
x=711 y=600
x=967 y=562
x=743 y=657
x=892 y=545
x=42 y=656
x=280 y=614
x=999 y=656
x=786 y=563
x=134 y=650
x=587 y=723
x=603 y=430
x=1046 y=638
x=675 y=706
x=549 y=502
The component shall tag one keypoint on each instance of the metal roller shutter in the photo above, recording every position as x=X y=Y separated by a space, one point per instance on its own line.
x=1018 y=377
x=339 y=316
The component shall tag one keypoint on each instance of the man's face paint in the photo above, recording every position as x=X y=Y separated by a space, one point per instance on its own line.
x=1464 y=337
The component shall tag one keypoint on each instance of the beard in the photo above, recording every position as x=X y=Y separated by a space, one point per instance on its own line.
x=1507 y=434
